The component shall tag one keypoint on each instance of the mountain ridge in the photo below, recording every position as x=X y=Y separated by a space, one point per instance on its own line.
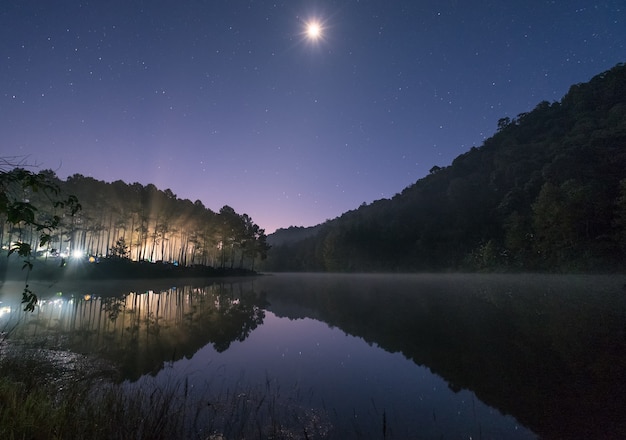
x=546 y=192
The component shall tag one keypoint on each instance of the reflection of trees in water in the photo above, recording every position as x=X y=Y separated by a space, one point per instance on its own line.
x=236 y=315
x=142 y=330
x=551 y=350
x=112 y=306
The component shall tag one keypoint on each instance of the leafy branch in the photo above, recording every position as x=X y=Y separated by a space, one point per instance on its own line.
x=20 y=212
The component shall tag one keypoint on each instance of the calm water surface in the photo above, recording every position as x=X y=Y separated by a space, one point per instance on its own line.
x=358 y=356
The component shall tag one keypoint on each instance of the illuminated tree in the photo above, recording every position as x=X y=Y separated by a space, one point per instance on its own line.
x=120 y=250
x=29 y=215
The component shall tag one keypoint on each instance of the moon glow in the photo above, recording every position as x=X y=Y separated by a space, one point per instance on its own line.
x=313 y=30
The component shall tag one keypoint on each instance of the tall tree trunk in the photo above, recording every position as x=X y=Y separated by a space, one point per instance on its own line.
x=132 y=232
x=109 y=244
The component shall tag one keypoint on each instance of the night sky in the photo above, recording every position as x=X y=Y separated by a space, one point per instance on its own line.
x=232 y=102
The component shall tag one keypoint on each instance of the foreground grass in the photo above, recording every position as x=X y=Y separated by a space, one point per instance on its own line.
x=77 y=413
x=42 y=398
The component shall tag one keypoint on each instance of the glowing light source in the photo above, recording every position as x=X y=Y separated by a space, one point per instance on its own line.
x=77 y=253
x=313 y=30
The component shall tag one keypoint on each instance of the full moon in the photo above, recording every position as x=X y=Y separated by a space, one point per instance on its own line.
x=313 y=30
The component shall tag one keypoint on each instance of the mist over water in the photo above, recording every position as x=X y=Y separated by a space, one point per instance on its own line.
x=497 y=356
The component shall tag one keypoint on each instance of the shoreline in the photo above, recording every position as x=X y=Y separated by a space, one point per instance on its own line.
x=70 y=269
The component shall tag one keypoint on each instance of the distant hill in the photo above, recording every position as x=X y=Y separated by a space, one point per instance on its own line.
x=291 y=234
x=546 y=192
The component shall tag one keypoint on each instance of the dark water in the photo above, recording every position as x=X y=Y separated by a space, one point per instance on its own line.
x=361 y=356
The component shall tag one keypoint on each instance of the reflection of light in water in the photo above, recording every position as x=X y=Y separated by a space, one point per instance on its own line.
x=5 y=310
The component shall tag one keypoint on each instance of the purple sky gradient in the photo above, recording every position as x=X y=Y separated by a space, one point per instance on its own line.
x=229 y=102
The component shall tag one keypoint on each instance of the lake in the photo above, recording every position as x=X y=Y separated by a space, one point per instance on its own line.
x=355 y=356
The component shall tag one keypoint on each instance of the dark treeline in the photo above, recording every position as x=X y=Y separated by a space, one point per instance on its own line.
x=136 y=222
x=546 y=192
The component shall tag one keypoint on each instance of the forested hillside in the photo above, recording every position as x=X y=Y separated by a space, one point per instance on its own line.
x=136 y=222
x=546 y=192
x=292 y=234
